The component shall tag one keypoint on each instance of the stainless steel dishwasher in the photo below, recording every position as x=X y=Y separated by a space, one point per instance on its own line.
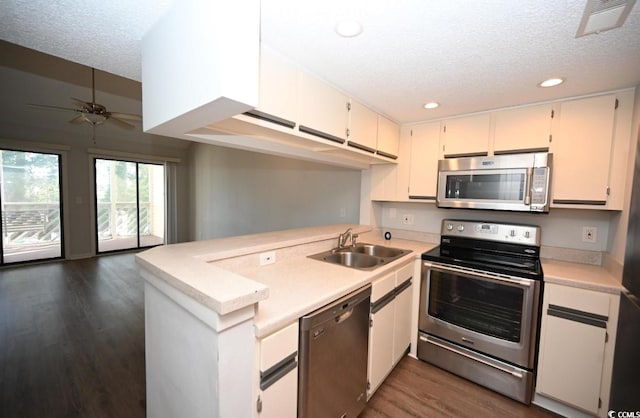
x=334 y=341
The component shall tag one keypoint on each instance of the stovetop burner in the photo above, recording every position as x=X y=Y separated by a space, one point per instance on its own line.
x=494 y=247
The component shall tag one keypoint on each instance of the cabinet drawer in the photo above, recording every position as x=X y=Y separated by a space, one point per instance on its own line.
x=404 y=274
x=278 y=346
x=578 y=299
x=382 y=286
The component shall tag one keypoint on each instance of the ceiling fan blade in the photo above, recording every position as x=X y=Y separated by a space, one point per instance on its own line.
x=53 y=107
x=120 y=123
x=78 y=120
x=126 y=116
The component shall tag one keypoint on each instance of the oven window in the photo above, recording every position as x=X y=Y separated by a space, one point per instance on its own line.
x=490 y=308
x=505 y=186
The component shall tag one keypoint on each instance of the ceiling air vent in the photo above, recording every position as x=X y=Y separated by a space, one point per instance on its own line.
x=602 y=15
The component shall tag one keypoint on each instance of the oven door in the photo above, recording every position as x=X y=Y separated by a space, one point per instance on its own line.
x=493 y=314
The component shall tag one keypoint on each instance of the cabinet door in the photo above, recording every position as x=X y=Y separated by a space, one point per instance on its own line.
x=522 y=129
x=380 y=346
x=582 y=151
x=402 y=321
x=281 y=399
x=278 y=86
x=573 y=344
x=388 y=137
x=363 y=127
x=466 y=136
x=278 y=394
x=571 y=367
x=423 y=174
x=381 y=331
x=322 y=109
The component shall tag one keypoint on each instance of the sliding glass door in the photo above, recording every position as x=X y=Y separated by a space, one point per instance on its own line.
x=30 y=202
x=130 y=205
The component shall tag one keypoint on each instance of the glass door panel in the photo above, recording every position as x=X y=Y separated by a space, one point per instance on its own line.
x=31 y=206
x=151 y=204
x=129 y=205
x=487 y=307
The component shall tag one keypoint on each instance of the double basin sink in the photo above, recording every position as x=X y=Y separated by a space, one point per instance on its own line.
x=361 y=256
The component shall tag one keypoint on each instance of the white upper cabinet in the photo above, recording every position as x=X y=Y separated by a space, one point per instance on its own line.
x=388 y=138
x=522 y=129
x=278 y=88
x=363 y=127
x=322 y=109
x=582 y=146
x=466 y=135
x=423 y=174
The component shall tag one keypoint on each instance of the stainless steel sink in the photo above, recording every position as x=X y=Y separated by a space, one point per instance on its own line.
x=361 y=256
x=379 y=250
x=351 y=259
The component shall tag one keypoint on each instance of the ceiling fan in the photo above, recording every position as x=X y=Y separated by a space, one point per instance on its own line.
x=94 y=113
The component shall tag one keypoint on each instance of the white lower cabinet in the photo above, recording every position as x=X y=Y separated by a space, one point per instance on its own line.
x=390 y=323
x=278 y=375
x=576 y=347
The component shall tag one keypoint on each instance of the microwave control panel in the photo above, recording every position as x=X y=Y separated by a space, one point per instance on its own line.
x=539 y=186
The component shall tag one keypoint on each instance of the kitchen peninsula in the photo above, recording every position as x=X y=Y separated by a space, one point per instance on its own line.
x=221 y=313
x=209 y=303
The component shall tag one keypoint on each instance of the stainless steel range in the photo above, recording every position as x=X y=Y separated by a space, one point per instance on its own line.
x=479 y=304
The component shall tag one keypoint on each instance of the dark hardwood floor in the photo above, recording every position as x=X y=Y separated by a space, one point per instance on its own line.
x=417 y=389
x=72 y=345
x=72 y=339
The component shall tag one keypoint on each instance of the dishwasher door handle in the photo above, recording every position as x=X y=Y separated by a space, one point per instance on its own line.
x=343 y=316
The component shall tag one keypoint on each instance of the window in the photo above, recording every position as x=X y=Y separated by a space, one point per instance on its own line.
x=31 y=206
x=130 y=205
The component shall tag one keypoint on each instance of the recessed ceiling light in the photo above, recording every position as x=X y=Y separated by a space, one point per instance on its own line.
x=551 y=82
x=431 y=105
x=349 y=28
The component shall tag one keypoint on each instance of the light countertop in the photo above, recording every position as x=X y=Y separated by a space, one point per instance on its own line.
x=301 y=285
x=585 y=276
x=224 y=275
x=192 y=268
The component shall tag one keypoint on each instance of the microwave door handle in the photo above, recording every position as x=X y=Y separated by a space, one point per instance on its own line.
x=527 y=187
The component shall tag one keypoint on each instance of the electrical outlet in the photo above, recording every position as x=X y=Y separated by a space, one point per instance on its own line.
x=407 y=219
x=267 y=258
x=590 y=234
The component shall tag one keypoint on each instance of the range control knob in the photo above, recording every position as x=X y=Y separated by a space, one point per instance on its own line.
x=512 y=233
x=449 y=227
x=527 y=234
x=460 y=227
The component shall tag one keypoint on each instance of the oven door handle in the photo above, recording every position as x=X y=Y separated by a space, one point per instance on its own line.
x=476 y=273
x=486 y=363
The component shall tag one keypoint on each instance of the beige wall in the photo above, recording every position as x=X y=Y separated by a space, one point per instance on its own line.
x=236 y=192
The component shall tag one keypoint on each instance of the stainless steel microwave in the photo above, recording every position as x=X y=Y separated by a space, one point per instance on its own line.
x=515 y=182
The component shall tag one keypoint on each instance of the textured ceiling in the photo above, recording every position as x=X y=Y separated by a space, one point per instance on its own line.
x=468 y=55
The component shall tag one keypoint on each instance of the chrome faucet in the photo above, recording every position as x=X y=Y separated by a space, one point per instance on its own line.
x=345 y=237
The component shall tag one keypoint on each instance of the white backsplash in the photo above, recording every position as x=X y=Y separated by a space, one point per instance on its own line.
x=561 y=228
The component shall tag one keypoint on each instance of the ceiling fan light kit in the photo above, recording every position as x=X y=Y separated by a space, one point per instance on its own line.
x=94 y=113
